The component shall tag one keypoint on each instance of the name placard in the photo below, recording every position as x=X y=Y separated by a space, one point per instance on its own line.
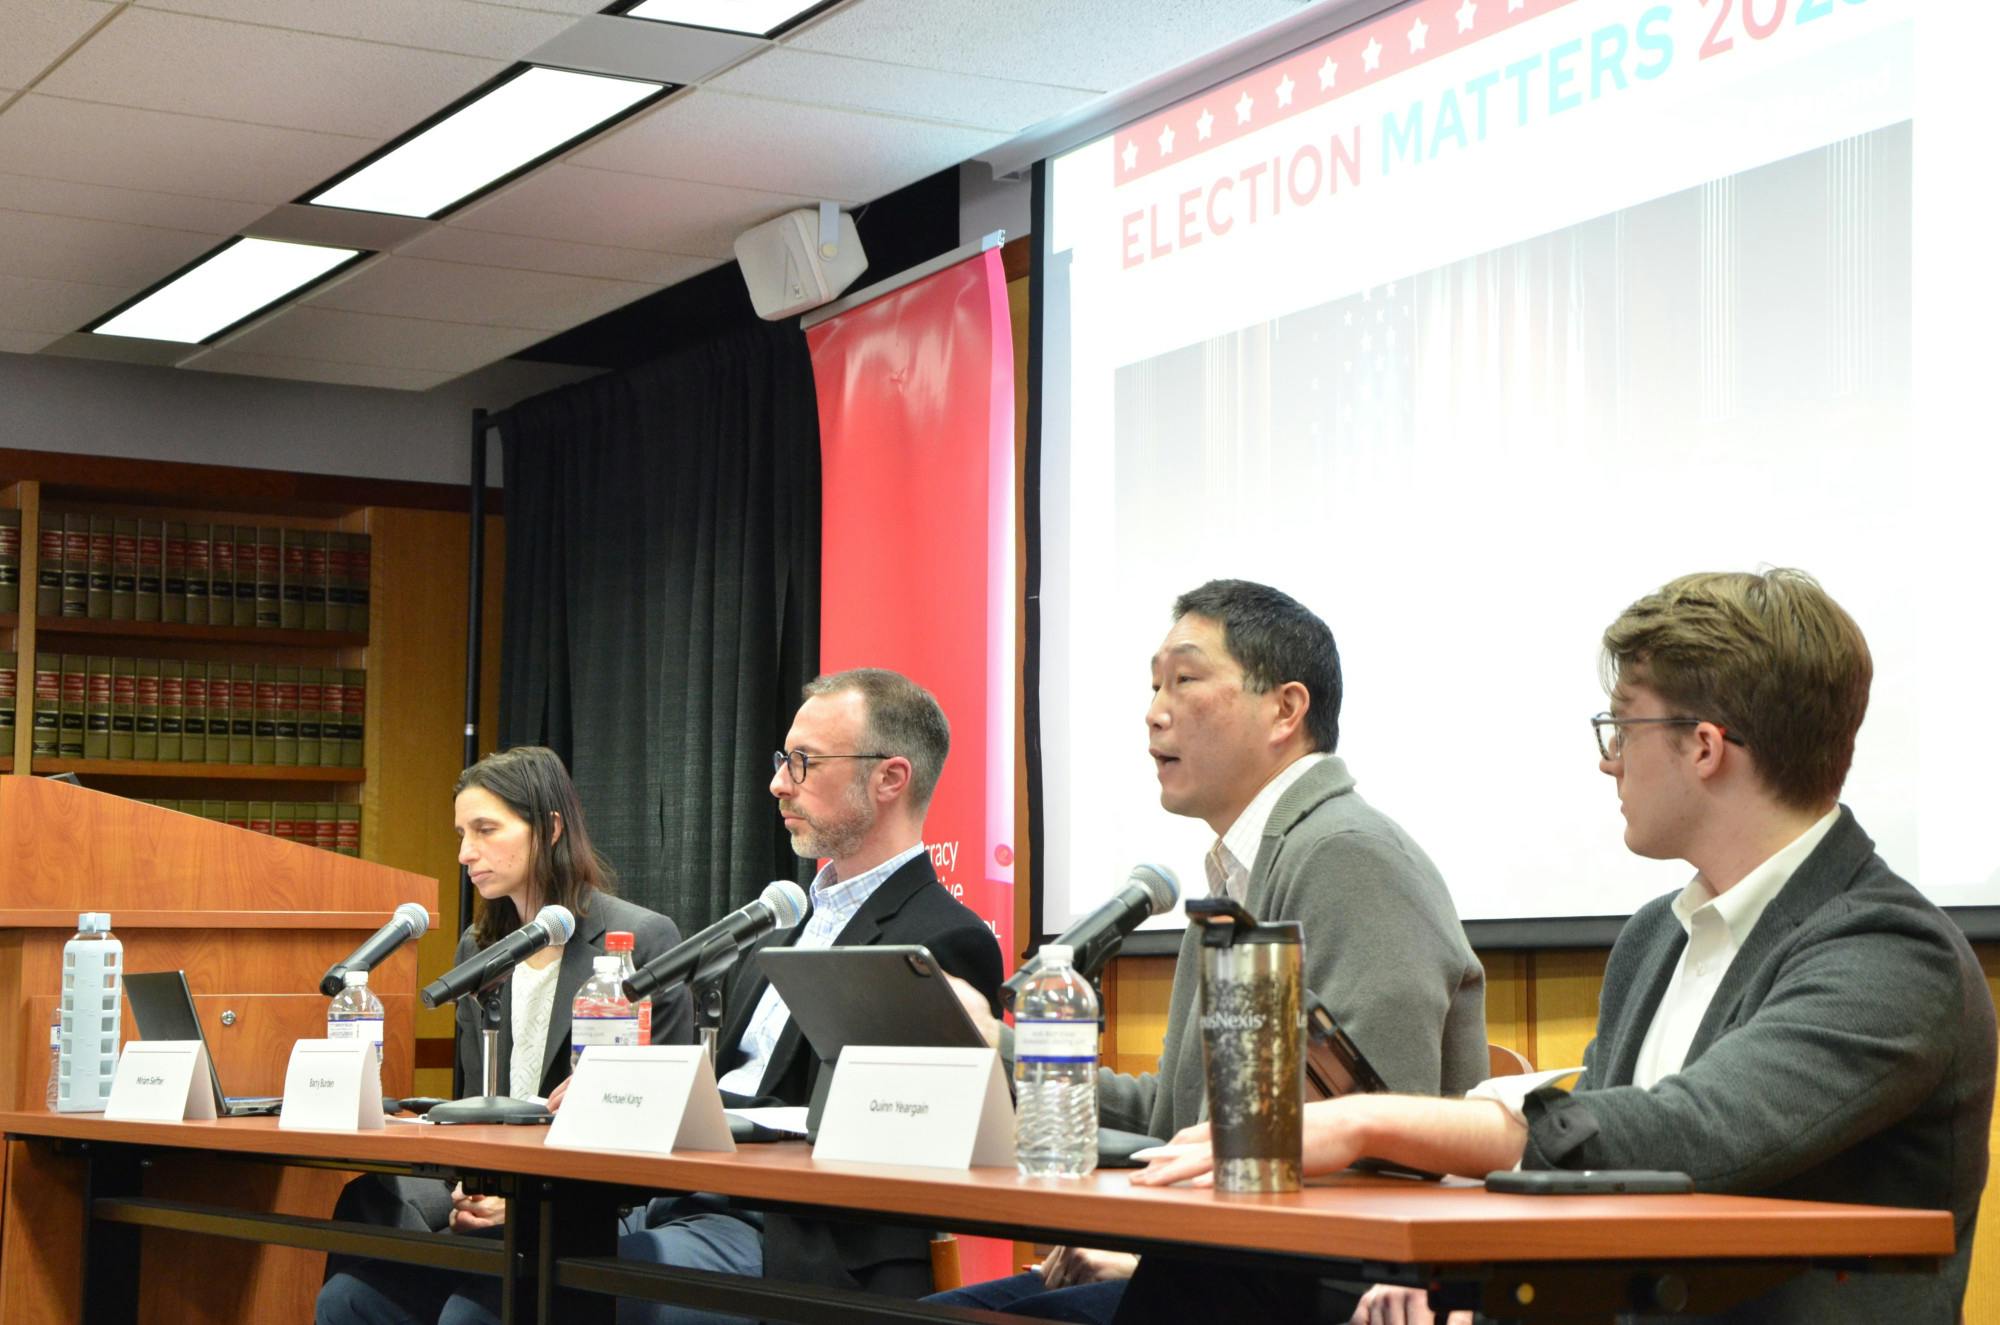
x=652 y=1098
x=332 y=1086
x=162 y=1081
x=935 y=1108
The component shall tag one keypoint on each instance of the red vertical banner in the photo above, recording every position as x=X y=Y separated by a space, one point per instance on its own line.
x=916 y=419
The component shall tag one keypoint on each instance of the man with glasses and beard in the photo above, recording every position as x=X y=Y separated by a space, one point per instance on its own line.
x=853 y=783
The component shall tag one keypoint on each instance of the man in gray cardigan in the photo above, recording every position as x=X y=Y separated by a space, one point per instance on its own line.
x=1797 y=1021
x=1242 y=728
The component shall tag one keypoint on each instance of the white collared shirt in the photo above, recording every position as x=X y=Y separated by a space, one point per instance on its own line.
x=834 y=903
x=534 y=994
x=1229 y=861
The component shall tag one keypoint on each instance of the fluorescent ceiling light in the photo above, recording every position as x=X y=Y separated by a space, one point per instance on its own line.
x=239 y=279
x=504 y=129
x=759 y=18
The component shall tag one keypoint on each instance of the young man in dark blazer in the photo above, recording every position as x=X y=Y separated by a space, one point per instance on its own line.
x=1797 y=1021
x=861 y=760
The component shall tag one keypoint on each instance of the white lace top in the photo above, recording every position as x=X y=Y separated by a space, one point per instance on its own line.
x=534 y=995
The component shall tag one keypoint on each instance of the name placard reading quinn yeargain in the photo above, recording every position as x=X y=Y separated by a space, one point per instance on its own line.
x=934 y=1108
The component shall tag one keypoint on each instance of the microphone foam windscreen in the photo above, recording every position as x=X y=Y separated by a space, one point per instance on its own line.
x=787 y=902
x=414 y=915
x=558 y=922
x=1161 y=884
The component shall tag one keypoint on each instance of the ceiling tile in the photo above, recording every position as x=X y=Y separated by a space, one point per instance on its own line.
x=871 y=85
x=633 y=48
x=627 y=211
x=97 y=202
x=25 y=342
x=571 y=7
x=29 y=303
x=236 y=71
x=454 y=243
x=50 y=138
x=62 y=248
x=1104 y=45
x=489 y=296
x=458 y=27
x=304 y=331
x=317 y=370
x=750 y=143
x=39 y=31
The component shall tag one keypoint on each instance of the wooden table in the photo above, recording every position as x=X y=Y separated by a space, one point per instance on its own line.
x=1521 y=1257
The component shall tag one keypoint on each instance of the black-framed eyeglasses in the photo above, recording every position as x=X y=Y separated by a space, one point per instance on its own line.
x=799 y=763
x=1611 y=739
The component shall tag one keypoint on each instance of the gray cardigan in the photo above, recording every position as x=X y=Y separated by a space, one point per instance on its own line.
x=1383 y=950
x=1847 y=1056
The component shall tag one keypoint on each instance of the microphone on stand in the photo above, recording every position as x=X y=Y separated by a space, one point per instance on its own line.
x=782 y=905
x=1149 y=890
x=552 y=926
x=409 y=922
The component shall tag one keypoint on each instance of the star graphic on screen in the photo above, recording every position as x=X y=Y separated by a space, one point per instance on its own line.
x=1131 y=154
x=1465 y=13
x=1204 y=126
x=1284 y=90
x=1418 y=31
x=1243 y=106
x=1371 y=56
x=1167 y=140
x=1327 y=71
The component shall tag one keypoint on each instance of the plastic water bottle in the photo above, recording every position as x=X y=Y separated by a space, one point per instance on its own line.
x=601 y=1013
x=55 y=1054
x=356 y=1014
x=620 y=944
x=1055 y=1071
x=93 y=980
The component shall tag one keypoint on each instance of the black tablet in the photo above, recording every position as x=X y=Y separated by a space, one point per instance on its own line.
x=892 y=994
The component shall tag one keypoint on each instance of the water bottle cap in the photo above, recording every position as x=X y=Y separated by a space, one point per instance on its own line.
x=94 y=922
x=618 y=941
x=1057 y=954
x=354 y=978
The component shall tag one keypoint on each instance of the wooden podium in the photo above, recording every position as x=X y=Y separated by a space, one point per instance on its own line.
x=254 y=922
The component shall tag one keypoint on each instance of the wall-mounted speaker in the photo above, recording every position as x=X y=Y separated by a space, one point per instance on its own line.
x=800 y=260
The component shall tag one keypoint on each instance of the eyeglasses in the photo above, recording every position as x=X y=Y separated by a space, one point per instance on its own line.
x=800 y=763
x=1611 y=740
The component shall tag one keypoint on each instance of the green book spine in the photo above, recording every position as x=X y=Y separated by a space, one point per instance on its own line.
x=173 y=710
x=282 y=826
x=75 y=693
x=353 y=707
x=47 y=734
x=326 y=832
x=216 y=811
x=358 y=556
x=309 y=702
x=242 y=712
x=270 y=579
x=264 y=734
x=189 y=807
x=332 y=699
x=173 y=570
x=10 y=560
x=292 y=579
x=76 y=566
x=49 y=566
x=152 y=541
x=199 y=569
x=10 y=697
x=124 y=569
x=347 y=829
x=260 y=817
x=146 y=711
x=96 y=706
x=221 y=574
x=336 y=581
x=194 y=712
x=217 y=745
x=124 y=707
x=245 y=613
x=99 y=605
x=236 y=814
x=287 y=744
x=313 y=581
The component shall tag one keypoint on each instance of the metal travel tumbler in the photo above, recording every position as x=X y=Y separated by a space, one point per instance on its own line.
x=1252 y=1033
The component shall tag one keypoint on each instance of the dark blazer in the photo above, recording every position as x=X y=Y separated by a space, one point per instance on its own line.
x=652 y=934
x=909 y=907
x=1847 y=1056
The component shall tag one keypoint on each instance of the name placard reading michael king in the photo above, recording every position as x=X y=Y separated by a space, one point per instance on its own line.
x=932 y=1108
x=655 y=1099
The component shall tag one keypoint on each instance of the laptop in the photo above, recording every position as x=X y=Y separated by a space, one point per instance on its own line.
x=163 y=1007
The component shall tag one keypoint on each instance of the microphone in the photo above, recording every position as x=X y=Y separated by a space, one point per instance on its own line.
x=552 y=926
x=782 y=905
x=409 y=922
x=1149 y=890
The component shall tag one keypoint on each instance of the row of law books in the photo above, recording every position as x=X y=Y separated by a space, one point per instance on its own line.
x=119 y=568
x=189 y=711
x=321 y=824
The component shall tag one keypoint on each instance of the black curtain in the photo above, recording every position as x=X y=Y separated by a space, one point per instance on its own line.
x=662 y=606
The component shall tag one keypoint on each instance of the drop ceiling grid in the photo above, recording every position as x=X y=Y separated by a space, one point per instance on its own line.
x=38 y=32
x=409 y=287
x=453 y=27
